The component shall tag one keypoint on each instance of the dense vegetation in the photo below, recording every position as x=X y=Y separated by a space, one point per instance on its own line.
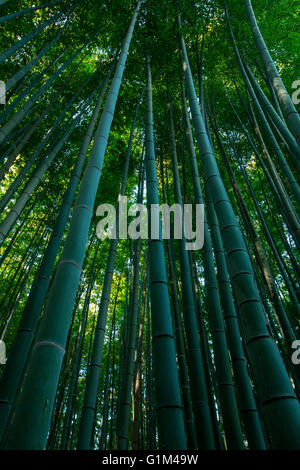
x=142 y=344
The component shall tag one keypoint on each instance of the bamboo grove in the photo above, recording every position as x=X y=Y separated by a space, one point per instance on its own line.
x=139 y=343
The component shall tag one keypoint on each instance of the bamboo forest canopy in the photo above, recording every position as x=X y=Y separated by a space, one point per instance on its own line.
x=123 y=343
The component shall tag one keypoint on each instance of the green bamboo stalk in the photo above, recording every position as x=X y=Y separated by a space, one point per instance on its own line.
x=281 y=409
x=151 y=428
x=282 y=128
x=22 y=42
x=77 y=359
x=169 y=411
x=138 y=382
x=11 y=158
x=127 y=382
x=229 y=409
x=122 y=336
x=18 y=207
x=246 y=401
x=11 y=82
x=18 y=357
x=201 y=411
x=180 y=343
x=274 y=97
x=93 y=377
x=289 y=111
x=140 y=303
x=270 y=136
x=105 y=407
x=21 y=114
x=12 y=16
x=45 y=362
x=20 y=177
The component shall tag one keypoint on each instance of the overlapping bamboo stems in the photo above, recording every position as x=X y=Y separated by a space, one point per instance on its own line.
x=18 y=357
x=22 y=42
x=280 y=195
x=83 y=342
x=288 y=210
x=286 y=104
x=210 y=373
x=137 y=425
x=93 y=376
x=12 y=16
x=284 y=321
x=32 y=86
x=246 y=400
x=274 y=389
x=61 y=395
x=123 y=334
x=275 y=120
x=130 y=340
x=286 y=171
x=26 y=220
x=294 y=271
x=16 y=139
x=294 y=187
x=10 y=125
x=259 y=251
x=151 y=420
x=49 y=134
x=23 y=270
x=18 y=264
x=271 y=241
x=180 y=341
x=229 y=409
x=38 y=174
x=18 y=77
x=108 y=373
x=41 y=379
x=77 y=360
x=140 y=302
x=203 y=426
x=12 y=156
x=169 y=413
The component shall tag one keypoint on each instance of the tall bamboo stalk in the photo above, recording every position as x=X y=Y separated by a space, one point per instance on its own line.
x=44 y=366
x=277 y=398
